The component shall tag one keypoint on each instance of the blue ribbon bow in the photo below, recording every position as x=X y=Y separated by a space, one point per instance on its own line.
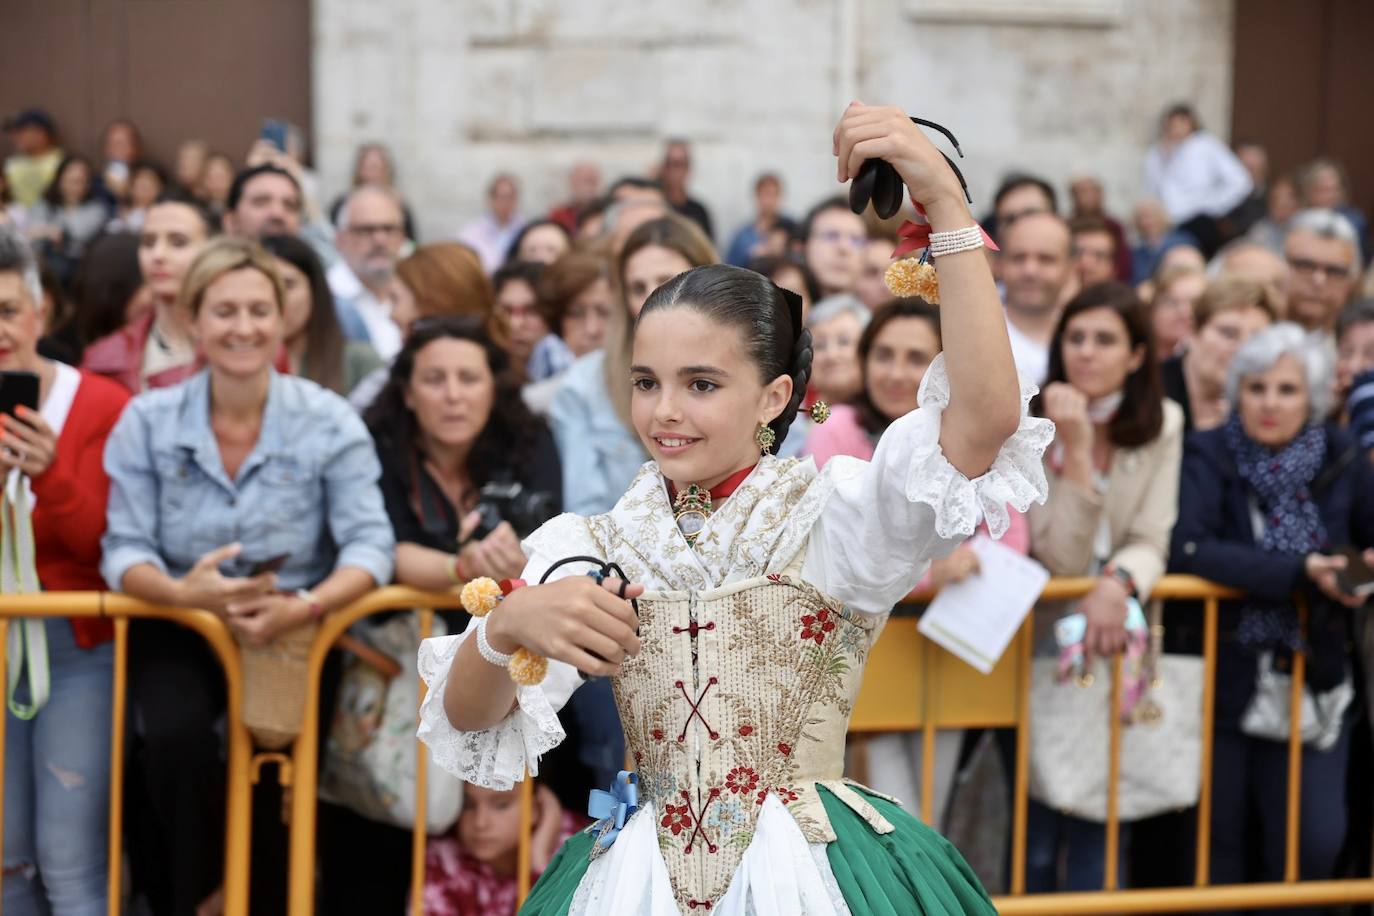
x=612 y=809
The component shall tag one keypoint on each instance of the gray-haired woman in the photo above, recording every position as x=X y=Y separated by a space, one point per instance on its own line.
x=836 y=322
x=1266 y=503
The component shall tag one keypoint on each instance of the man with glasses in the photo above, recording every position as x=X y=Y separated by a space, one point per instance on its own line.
x=371 y=232
x=836 y=239
x=1322 y=252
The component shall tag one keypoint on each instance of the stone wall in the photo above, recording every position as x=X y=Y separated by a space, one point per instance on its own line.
x=464 y=88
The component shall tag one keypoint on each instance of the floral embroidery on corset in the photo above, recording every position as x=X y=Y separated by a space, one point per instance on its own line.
x=736 y=695
x=741 y=780
x=816 y=626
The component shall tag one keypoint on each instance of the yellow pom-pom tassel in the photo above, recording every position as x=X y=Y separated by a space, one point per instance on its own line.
x=909 y=277
x=526 y=668
x=480 y=596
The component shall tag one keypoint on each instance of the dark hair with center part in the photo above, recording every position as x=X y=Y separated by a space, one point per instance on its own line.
x=324 y=339
x=1141 y=415
x=511 y=435
x=770 y=320
x=873 y=420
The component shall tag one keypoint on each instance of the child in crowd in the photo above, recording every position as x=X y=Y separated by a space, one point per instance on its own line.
x=471 y=871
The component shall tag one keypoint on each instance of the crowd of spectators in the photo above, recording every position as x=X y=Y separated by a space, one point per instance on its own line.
x=262 y=406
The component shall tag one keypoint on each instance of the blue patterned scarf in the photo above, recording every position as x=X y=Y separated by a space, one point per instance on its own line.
x=1281 y=483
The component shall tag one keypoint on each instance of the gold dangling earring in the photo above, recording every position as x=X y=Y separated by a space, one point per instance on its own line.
x=765 y=437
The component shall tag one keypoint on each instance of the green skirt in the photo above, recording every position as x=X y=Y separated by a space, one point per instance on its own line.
x=912 y=870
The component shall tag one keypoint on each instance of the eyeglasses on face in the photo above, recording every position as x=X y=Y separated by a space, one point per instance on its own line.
x=853 y=240
x=1309 y=268
x=385 y=230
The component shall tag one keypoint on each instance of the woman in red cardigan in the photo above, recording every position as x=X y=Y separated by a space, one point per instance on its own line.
x=57 y=756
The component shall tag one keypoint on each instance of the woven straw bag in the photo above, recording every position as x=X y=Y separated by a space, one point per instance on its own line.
x=275 y=683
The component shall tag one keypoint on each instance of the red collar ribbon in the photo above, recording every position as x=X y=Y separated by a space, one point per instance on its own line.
x=723 y=489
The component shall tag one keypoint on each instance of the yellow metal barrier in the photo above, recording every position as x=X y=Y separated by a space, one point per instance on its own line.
x=942 y=692
x=121 y=609
x=910 y=685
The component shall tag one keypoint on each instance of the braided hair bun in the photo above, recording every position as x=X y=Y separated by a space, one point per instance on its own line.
x=799 y=365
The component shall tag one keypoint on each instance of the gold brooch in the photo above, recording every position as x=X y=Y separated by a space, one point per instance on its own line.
x=690 y=509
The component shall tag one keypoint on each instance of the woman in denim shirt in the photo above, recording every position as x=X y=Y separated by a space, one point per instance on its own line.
x=237 y=467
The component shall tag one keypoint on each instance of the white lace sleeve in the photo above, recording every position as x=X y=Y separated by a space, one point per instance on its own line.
x=889 y=517
x=497 y=757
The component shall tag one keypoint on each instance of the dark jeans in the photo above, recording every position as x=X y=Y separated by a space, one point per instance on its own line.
x=175 y=788
x=1082 y=844
x=1249 y=809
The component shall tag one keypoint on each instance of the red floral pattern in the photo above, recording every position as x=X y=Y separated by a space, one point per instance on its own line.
x=816 y=626
x=741 y=780
x=784 y=794
x=677 y=818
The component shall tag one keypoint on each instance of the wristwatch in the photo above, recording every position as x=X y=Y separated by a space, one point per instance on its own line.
x=1116 y=572
x=310 y=598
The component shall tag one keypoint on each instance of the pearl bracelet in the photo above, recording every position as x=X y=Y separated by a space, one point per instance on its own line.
x=966 y=239
x=487 y=650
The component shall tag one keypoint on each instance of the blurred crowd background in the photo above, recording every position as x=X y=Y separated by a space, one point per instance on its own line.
x=446 y=216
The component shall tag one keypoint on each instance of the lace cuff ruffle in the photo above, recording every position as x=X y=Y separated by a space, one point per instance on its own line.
x=497 y=757
x=1016 y=478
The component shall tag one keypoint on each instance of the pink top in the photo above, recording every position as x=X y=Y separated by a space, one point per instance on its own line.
x=456 y=884
x=842 y=434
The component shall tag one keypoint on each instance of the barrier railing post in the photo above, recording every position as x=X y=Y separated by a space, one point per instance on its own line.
x=4 y=720
x=928 y=734
x=1294 y=806
x=305 y=754
x=419 y=833
x=117 y=720
x=1020 y=795
x=522 y=855
x=1109 y=877
x=1209 y=715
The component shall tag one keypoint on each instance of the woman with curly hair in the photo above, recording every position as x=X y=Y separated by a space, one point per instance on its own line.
x=449 y=423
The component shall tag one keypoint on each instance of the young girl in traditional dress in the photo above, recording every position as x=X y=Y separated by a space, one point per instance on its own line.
x=758 y=587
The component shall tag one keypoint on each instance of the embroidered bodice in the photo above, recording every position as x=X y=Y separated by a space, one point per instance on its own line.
x=735 y=694
x=753 y=640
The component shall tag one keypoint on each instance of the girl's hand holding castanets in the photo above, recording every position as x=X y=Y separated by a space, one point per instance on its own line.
x=574 y=620
x=886 y=132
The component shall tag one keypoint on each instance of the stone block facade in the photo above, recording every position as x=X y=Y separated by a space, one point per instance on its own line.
x=461 y=89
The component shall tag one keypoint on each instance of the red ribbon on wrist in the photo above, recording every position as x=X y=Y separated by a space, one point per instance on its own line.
x=915 y=236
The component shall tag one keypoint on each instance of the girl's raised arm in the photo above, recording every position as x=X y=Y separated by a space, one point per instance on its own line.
x=984 y=403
